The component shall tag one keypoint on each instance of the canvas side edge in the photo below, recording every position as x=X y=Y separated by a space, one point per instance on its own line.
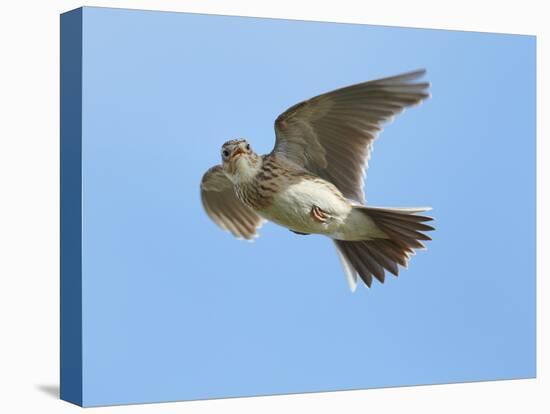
x=71 y=207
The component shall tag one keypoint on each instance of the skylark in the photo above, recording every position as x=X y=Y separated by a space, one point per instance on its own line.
x=312 y=180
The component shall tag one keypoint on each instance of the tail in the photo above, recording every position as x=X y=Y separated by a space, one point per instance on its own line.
x=399 y=231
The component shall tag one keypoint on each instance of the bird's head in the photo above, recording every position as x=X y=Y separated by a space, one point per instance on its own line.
x=239 y=162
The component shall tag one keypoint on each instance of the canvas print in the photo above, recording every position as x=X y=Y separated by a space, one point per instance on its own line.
x=264 y=206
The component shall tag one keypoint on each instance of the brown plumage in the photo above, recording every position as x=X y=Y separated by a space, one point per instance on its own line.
x=312 y=181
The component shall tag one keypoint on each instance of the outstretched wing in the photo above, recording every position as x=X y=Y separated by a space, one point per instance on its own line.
x=331 y=134
x=224 y=208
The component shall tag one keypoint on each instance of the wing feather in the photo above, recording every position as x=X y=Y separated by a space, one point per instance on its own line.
x=224 y=208
x=331 y=134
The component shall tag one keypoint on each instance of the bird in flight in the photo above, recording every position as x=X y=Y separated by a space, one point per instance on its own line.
x=312 y=181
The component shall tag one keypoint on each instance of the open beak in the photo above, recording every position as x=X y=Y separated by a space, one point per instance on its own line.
x=238 y=151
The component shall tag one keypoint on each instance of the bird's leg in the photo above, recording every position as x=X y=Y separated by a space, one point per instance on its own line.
x=319 y=215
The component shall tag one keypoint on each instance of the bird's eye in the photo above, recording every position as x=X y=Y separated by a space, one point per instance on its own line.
x=248 y=147
x=225 y=153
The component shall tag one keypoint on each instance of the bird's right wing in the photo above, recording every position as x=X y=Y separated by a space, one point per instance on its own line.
x=331 y=134
x=224 y=208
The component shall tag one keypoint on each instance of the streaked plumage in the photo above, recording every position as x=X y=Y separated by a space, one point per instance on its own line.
x=312 y=181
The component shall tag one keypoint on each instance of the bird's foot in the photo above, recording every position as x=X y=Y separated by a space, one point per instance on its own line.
x=300 y=233
x=319 y=215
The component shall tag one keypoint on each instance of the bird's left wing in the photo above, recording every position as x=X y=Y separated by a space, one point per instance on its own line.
x=224 y=208
x=331 y=134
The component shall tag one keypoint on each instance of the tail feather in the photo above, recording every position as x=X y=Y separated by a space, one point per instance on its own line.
x=353 y=260
x=411 y=229
x=349 y=271
x=402 y=229
x=380 y=256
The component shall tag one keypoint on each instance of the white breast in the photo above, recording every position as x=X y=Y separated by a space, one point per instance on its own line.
x=292 y=206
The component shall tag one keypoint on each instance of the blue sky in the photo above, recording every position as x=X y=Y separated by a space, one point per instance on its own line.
x=174 y=308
